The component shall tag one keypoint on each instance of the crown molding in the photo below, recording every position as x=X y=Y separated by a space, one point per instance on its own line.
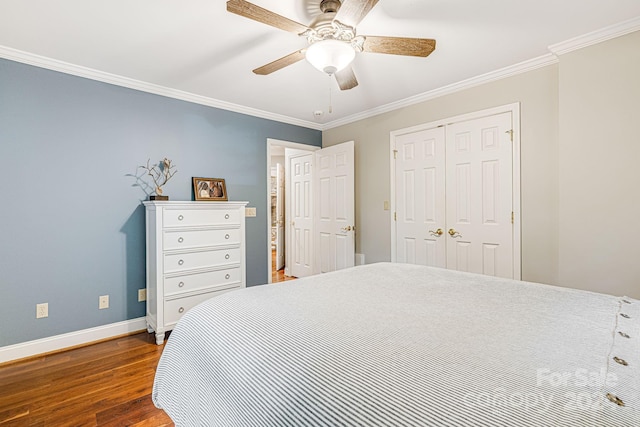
x=101 y=76
x=555 y=50
x=519 y=68
x=596 y=37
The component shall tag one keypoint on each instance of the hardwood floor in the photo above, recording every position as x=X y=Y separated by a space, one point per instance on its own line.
x=278 y=275
x=106 y=384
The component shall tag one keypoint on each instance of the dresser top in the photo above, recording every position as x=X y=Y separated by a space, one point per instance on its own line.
x=188 y=203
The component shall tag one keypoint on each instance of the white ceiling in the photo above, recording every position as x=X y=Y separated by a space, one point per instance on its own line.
x=197 y=49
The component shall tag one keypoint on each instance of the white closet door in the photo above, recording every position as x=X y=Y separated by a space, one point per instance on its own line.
x=335 y=208
x=479 y=196
x=420 y=197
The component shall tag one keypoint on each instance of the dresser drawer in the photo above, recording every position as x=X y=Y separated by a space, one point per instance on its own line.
x=200 y=259
x=194 y=282
x=200 y=238
x=200 y=217
x=176 y=308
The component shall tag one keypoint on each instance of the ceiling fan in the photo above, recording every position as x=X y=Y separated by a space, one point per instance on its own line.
x=332 y=38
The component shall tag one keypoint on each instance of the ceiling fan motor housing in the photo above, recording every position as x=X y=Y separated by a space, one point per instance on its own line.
x=327 y=6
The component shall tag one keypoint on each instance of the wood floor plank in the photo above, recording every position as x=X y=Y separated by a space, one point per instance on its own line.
x=106 y=384
x=161 y=420
x=117 y=416
x=14 y=414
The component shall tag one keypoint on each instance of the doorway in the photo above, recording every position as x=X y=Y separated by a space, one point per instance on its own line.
x=316 y=230
x=276 y=213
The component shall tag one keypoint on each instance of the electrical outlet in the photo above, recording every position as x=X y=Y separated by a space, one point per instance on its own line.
x=42 y=310
x=249 y=212
x=103 y=302
x=142 y=295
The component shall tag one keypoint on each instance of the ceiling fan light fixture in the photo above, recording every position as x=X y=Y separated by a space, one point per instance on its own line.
x=330 y=56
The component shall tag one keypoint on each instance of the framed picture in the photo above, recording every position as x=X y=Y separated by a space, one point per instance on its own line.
x=210 y=189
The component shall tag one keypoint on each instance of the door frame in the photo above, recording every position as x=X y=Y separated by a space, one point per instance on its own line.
x=514 y=109
x=286 y=144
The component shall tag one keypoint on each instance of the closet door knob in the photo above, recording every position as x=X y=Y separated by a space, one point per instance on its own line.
x=454 y=233
x=437 y=232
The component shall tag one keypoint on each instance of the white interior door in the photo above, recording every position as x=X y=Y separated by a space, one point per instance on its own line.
x=455 y=195
x=479 y=196
x=420 y=197
x=335 y=207
x=299 y=170
x=279 y=216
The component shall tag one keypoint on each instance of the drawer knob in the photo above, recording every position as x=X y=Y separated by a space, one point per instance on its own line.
x=181 y=310
x=226 y=276
x=227 y=256
x=226 y=236
x=180 y=262
x=226 y=216
x=180 y=240
x=180 y=217
x=181 y=284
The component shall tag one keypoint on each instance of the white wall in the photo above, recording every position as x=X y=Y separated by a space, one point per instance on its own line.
x=599 y=177
x=579 y=172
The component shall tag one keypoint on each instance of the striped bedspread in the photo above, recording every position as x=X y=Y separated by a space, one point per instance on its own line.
x=404 y=345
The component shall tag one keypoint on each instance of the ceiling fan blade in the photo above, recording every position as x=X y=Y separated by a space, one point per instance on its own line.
x=276 y=65
x=252 y=11
x=351 y=12
x=399 y=46
x=346 y=79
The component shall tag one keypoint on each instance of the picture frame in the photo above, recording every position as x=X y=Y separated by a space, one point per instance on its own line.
x=209 y=189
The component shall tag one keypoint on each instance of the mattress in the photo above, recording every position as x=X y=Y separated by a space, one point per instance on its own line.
x=404 y=345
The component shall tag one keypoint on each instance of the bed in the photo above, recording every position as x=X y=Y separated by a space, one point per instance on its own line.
x=404 y=345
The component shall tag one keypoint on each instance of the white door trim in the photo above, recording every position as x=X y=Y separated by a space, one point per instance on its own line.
x=287 y=144
x=515 y=115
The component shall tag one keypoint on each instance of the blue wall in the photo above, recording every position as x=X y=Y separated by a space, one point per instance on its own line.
x=71 y=220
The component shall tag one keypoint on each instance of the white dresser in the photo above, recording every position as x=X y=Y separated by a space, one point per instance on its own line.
x=195 y=250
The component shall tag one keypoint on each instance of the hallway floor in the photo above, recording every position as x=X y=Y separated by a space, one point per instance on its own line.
x=278 y=276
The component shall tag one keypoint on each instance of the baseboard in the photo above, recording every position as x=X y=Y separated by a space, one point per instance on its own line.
x=359 y=259
x=71 y=339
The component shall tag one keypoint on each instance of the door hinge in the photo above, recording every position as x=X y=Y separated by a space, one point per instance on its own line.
x=395 y=154
x=510 y=132
x=511 y=217
x=395 y=216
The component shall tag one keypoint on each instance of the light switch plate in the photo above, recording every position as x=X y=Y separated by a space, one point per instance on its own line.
x=250 y=211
